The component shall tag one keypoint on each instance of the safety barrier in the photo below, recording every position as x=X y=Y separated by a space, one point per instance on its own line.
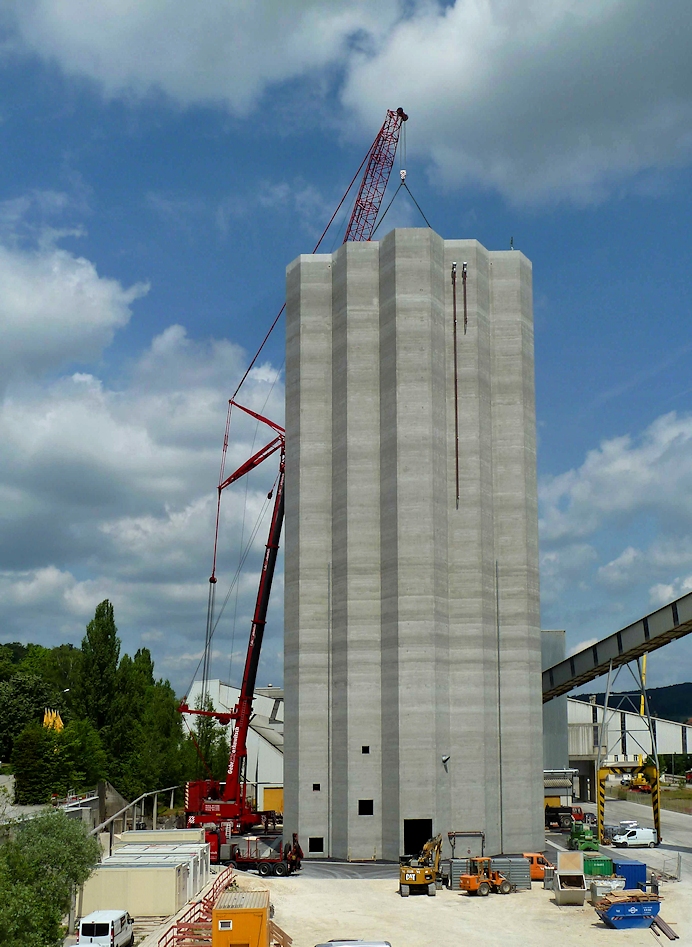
x=195 y=923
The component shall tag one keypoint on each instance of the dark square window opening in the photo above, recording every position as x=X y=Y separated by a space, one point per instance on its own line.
x=315 y=844
x=366 y=807
x=365 y=750
x=315 y=787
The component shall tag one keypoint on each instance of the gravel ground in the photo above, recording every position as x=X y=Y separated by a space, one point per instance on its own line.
x=314 y=910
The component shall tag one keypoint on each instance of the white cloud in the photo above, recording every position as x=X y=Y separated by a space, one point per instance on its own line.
x=218 y=51
x=110 y=493
x=624 y=477
x=538 y=100
x=615 y=535
x=542 y=100
x=55 y=308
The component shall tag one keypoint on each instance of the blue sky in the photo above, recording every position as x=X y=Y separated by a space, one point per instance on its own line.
x=163 y=162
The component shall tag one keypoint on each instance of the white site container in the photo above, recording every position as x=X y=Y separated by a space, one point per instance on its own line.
x=176 y=836
x=200 y=850
x=139 y=862
x=148 y=891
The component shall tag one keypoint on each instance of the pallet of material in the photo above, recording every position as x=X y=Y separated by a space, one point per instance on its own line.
x=618 y=897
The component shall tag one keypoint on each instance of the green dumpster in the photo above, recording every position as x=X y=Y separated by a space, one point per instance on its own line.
x=597 y=864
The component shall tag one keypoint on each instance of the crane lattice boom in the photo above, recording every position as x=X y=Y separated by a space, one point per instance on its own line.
x=375 y=178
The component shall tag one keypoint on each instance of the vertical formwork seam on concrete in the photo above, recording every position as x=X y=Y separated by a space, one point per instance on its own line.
x=415 y=646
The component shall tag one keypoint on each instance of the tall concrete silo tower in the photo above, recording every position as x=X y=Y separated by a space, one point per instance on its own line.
x=412 y=637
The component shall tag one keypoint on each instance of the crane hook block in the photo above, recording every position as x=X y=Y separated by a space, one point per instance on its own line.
x=402 y=175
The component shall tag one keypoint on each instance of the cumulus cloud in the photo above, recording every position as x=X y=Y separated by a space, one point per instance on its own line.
x=212 y=52
x=615 y=532
x=542 y=100
x=651 y=473
x=109 y=492
x=545 y=99
x=55 y=308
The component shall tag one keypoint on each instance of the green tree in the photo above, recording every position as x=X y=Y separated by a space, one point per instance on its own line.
x=35 y=660
x=23 y=699
x=96 y=686
x=39 y=865
x=62 y=669
x=10 y=657
x=45 y=763
x=212 y=745
x=84 y=755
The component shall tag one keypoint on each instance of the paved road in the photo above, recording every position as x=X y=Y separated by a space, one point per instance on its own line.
x=676 y=829
x=333 y=869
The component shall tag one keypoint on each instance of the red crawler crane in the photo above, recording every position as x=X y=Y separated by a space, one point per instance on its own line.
x=224 y=807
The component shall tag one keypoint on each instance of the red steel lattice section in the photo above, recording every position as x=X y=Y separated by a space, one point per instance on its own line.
x=376 y=177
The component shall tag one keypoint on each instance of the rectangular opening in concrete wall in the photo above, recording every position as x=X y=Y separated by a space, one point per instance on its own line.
x=416 y=833
x=365 y=807
x=365 y=750
x=315 y=787
x=316 y=844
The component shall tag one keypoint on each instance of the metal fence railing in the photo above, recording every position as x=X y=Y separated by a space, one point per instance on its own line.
x=195 y=923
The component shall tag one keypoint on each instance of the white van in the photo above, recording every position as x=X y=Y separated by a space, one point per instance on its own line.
x=637 y=838
x=106 y=929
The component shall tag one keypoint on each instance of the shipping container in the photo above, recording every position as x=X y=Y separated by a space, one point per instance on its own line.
x=516 y=870
x=457 y=868
x=633 y=872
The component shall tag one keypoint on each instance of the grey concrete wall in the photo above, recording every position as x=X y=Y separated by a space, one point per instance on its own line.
x=394 y=639
x=555 y=728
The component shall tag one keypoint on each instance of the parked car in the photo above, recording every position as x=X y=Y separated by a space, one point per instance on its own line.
x=355 y=943
x=107 y=929
x=637 y=838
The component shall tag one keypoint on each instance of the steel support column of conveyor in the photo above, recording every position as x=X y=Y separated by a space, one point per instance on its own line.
x=667 y=624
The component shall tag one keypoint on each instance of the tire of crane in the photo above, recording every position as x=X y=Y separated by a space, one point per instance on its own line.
x=232 y=864
x=652 y=845
x=431 y=890
x=264 y=869
x=505 y=887
x=403 y=891
x=483 y=889
x=281 y=869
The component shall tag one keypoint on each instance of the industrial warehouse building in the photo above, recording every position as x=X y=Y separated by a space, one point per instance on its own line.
x=412 y=638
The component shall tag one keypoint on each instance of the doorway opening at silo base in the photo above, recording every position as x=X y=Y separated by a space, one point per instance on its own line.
x=416 y=833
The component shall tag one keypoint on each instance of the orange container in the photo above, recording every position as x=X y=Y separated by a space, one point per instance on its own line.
x=241 y=919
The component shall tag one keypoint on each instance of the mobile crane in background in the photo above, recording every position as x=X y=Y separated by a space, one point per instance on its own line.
x=223 y=808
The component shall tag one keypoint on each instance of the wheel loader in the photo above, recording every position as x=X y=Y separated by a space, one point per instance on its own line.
x=423 y=872
x=481 y=880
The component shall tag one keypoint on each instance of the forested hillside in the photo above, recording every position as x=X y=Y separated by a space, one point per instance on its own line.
x=673 y=702
x=120 y=721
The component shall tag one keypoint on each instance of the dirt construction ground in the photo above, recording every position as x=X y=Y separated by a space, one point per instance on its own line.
x=315 y=910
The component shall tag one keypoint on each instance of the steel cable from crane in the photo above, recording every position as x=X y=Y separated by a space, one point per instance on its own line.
x=405 y=185
x=242 y=531
x=380 y=157
x=316 y=248
x=234 y=581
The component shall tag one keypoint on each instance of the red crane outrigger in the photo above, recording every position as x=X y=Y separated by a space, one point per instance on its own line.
x=224 y=807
